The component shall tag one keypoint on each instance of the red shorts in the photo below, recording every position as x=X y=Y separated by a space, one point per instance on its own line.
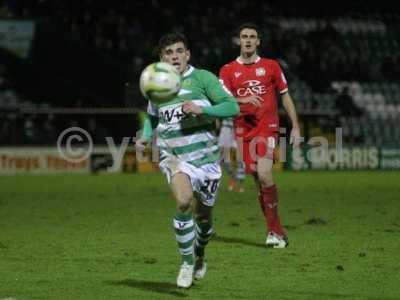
x=261 y=146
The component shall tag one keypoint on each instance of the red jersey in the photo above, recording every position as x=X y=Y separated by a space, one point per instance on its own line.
x=263 y=78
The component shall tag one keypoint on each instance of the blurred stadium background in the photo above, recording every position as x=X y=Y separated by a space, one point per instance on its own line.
x=76 y=64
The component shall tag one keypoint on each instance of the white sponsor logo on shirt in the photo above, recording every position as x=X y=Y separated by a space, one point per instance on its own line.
x=252 y=87
x=237 y=74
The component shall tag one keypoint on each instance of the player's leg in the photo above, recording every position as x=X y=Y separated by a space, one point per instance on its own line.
x=226 y=164
x=268 y=195
x=204 y=232
x=206 y=194
x=240 y=170
x=184 y=226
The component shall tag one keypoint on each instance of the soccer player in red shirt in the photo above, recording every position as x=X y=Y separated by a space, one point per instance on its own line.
x=257 y=83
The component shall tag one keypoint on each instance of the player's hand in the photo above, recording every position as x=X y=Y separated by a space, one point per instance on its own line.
x=253 y=99
x=140 y=144
x=190 y=108
x=295 y=137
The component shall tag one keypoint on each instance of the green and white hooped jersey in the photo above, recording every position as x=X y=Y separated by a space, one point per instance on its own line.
x=189 y=137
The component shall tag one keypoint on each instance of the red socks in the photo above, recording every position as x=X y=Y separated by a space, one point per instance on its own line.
x=268 y=198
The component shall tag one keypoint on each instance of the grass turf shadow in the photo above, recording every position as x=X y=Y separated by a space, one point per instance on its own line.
x=153 y=286
x=232 y=240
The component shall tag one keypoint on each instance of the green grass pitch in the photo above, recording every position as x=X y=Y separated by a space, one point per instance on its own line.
x=111 y=237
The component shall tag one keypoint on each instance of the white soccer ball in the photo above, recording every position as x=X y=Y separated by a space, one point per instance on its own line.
x=160 y=82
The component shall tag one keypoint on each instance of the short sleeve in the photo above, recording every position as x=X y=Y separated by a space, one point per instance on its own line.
x=224 y=77
x=280 y=79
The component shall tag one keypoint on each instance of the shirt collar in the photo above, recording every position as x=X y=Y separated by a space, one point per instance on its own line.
x=188 y=71
x=241 y=62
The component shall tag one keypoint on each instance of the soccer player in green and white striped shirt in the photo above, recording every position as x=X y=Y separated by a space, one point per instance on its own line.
x=189 y=153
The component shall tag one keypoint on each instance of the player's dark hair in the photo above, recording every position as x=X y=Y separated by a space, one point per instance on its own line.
x=171 y=38
x=247 y=25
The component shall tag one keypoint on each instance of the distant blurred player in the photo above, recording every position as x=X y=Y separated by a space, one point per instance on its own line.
x=256 y=83
x=227 y=143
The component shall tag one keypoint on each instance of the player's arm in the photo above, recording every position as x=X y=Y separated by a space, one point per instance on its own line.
x=224 y=104
x=295 y=136
x=288 y=104
x=149 y=123
x=290 y=109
